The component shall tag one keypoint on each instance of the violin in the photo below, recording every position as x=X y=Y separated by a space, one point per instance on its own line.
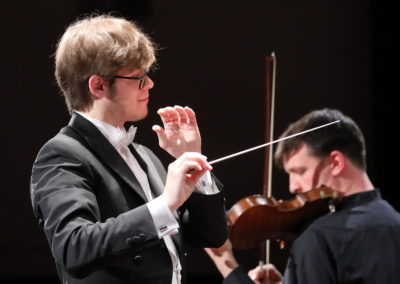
x=256 y=218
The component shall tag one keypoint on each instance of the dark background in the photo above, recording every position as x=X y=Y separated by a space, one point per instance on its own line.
x=337 y=54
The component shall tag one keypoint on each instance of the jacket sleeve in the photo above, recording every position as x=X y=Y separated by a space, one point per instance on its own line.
x=204 y=220
x=63 y=197
x=203 y=217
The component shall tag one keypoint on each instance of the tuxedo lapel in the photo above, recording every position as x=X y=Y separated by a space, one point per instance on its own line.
x=155 y=176
x=99 y=144
x=153 y=173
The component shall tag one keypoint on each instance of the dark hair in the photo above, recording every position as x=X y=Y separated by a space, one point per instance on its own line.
x=344 y=136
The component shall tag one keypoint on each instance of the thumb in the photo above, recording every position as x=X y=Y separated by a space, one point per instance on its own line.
x=162 y=137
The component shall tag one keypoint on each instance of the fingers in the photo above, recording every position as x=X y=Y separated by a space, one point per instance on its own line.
x=177 y=114
x=193 y=162
x=268 y=274
x=179 y=133
x=195 y=168
x=179 y=184
x=257 y=273
x=168 y=115
x=273 y=273
x=191 y=115
x=183 y=117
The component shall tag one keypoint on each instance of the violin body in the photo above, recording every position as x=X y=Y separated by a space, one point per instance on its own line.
x=256 y=218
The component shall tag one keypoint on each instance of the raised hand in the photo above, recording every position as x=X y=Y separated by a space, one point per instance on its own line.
x=180 y=133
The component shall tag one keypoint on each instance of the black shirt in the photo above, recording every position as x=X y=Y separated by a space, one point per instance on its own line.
x=358 y=243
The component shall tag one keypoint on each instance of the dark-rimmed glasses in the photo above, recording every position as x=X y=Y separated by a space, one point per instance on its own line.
x=142 y=79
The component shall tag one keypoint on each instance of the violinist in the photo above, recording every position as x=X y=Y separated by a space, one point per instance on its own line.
x=357 y=243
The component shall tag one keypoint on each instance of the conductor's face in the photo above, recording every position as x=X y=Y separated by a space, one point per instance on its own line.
x=129 y=95
x=305 y=170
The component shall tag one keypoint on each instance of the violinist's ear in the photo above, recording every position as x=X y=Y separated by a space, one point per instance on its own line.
x=337 y=162
x=97 y=86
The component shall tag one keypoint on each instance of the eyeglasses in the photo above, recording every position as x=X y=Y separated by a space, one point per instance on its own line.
x=142 y=79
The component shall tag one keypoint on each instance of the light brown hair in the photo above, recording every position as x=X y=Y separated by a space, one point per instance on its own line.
x=98 y=45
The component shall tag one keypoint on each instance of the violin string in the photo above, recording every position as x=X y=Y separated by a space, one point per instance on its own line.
x=270 y=143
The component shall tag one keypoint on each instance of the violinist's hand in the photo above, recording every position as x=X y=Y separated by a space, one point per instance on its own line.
x=180 y=133
x=268 y=274
x=223 y=258
x=182 y=177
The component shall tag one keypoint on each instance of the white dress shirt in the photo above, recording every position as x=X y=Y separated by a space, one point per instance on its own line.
x=162 y=216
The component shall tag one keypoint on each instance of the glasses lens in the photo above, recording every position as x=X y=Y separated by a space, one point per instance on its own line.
x=142 y=83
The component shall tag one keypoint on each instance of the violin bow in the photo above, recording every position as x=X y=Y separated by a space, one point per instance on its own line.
x=270 y=79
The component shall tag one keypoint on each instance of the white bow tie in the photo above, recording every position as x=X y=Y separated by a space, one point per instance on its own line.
x=119 y=137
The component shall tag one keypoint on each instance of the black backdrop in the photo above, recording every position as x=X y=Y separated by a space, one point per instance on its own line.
x=337 y=54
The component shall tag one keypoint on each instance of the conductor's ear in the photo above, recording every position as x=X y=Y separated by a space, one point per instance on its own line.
x=97 y=85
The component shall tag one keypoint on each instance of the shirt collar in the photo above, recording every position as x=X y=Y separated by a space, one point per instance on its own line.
x=361 y=197
x=115 y=135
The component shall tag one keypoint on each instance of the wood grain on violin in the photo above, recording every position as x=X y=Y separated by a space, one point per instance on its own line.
x=256 y=218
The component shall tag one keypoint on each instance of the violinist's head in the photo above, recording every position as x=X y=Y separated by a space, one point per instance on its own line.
x=333 y=155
